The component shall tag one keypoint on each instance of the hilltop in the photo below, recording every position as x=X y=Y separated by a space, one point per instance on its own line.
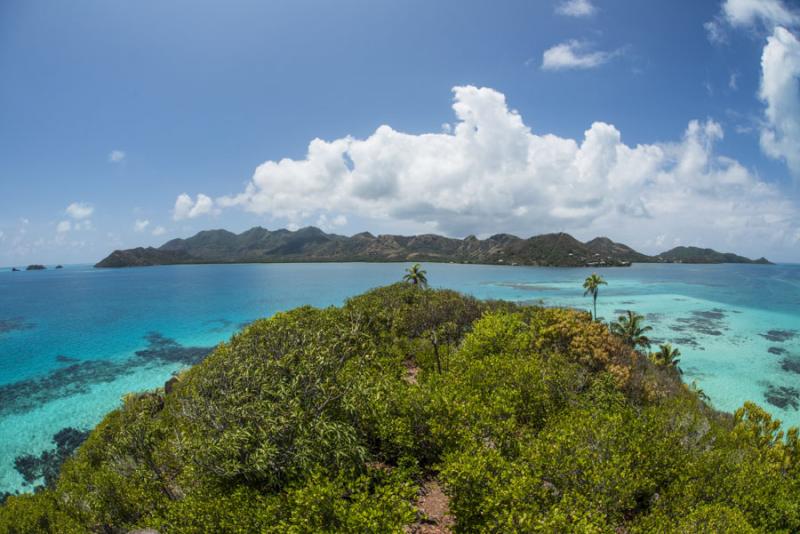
x=705 y=255
x=310 y=244
x=418 y=410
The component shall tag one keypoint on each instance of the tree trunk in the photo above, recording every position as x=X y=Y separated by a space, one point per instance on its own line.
x=435 y=342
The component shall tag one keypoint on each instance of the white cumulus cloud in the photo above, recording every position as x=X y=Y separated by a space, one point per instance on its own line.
x=159 y=230
x=63 y=227
x=750 y=12
x=757 y=15
x=140 y=225
x=780 y=70
x=79 y=210
x=780 y=92
x=116 y=156
x=574 y=55
x=493 y=174
x=576 y=8
x=186 y=208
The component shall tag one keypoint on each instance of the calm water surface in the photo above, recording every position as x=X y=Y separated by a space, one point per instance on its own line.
x=73 y=341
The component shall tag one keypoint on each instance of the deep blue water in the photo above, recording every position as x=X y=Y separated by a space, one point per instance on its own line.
x=73 y=341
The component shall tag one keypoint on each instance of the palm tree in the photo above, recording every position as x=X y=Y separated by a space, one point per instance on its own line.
x=699 y=392
x=629 y=327
x=592 y=286
x=667 y=356
x=416 y=275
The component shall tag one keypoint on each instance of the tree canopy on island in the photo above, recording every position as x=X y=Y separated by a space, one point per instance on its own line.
x=332 y=420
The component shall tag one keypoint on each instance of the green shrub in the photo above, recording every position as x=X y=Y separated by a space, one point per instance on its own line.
x=534 y=420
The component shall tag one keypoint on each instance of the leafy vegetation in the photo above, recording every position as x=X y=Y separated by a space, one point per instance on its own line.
x=416 y=275
x=666 y=355
x=332 y=420
x=630 y=328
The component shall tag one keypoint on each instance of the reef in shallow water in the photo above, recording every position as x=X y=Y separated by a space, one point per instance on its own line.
x=779 y=335
x=791 y=364
x=687 y=341
x=14 y=324
x=783 y=396
x=705 y=322
x=77 y=378
x=46 y=465
x=167 y=350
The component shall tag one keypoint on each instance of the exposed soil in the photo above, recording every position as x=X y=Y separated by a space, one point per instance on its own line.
x=433 y=511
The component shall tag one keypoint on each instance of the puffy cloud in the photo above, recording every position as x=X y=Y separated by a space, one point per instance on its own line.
x=63 y=227
x=780 y=92
x=80 y=210
x=493 y=174
x=186 y=208
x=574 y=55
x=116 y=156
x=140 y=225
x=576 y=8
x=750 y=12
x=780 y=71
x=159 y=230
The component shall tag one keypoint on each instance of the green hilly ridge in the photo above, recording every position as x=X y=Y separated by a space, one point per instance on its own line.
x=313 y=245
x=348 y=420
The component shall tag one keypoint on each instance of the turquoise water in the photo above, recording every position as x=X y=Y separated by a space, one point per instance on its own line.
x=74 y=341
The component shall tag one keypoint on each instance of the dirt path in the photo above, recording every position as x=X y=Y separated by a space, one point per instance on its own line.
x=434 y=511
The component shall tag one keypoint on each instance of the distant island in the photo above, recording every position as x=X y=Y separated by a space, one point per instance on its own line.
x=35 y=267
x=310 y=244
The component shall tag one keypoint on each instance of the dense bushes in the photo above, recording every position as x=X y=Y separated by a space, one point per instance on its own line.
x=534 y=420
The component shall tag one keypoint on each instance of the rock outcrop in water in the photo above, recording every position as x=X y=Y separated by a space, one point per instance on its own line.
x=310 y=244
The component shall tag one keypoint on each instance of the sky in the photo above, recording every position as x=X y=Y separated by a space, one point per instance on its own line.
x=657 y=124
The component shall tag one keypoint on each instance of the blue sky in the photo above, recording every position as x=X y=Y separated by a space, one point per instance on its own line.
x=656 y=123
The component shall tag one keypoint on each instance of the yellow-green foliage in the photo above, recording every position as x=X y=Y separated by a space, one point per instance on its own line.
x=534 y=420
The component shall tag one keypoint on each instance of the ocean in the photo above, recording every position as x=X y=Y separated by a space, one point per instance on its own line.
x=74 y=341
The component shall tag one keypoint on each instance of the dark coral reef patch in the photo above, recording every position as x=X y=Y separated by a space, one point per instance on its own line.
x=791 y=364
x=783 y=396
x=167 y=350
x=705 y=322
x=779 y=335
x=13 y=324
x=47 y=464
x=77 y=378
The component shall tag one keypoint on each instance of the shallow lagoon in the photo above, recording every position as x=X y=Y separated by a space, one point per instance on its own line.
x=75 y=340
